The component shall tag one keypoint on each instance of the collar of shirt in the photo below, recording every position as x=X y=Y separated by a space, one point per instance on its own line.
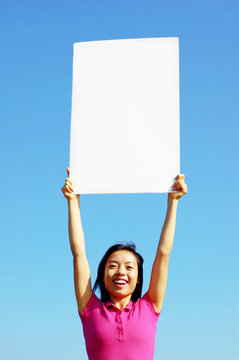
x=127 y=308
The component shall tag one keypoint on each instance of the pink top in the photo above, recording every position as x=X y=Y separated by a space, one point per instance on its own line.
x=112 y=334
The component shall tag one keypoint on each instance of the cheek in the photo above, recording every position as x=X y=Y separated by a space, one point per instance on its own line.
x=107 y=276
x=137 y=278
x=134 y=277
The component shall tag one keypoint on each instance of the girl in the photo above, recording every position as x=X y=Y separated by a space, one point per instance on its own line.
x=122 y=326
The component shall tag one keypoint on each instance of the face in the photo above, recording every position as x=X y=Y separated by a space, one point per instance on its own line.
x=121 y=274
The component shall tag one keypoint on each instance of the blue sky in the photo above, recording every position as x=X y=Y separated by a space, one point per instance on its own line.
x=38 y=313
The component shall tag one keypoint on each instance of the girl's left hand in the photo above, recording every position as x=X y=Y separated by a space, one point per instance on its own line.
x=179 y=186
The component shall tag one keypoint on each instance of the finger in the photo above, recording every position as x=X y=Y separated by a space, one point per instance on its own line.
x=180 y=176
x=70 y=190
x=185 y=189
x=69 y=182
x=181 y=186
x=178 y=182
x=178 y=188
x=65 y=192
x=68 y=186
x=175 y=186
x=68 y=171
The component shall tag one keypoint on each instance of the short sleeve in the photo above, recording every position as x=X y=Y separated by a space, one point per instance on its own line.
x=92 y=304
x=147 y=300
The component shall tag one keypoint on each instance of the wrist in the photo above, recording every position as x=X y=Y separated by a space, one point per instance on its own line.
x=74 y=199
x=172 y=200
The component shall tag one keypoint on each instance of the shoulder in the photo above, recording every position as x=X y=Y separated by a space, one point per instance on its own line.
x=146 y=303
x=92 y=304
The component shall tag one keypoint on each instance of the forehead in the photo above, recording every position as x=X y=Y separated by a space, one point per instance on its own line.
x=122 y=256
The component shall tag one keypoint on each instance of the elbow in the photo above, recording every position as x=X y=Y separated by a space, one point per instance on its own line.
x=78 y=254
x=164 y=250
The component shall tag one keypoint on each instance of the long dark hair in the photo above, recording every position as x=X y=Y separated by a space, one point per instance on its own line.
x=105 y=296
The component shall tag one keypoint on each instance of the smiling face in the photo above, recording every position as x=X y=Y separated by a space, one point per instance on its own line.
x=121 y=274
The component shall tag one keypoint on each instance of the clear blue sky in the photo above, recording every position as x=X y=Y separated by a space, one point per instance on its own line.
x=38 y=313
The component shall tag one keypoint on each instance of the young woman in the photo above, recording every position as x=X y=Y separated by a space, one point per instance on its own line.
x=122 y=326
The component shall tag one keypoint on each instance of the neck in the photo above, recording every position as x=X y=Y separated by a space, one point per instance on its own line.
x=120 y=303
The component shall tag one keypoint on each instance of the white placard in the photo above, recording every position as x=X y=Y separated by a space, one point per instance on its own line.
x=125 y=116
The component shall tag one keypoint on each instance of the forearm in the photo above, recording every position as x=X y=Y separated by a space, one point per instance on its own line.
x=76 y=234
x=167 y=234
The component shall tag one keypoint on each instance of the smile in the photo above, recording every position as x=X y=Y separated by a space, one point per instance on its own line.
x=120 y=282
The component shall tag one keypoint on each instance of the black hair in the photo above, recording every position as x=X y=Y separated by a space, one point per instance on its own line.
x=105 y=296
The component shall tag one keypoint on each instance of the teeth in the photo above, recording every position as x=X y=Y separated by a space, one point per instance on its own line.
x=120 y=282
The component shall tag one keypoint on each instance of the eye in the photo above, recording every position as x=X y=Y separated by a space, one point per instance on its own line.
x=112 y=266
x=130 y=268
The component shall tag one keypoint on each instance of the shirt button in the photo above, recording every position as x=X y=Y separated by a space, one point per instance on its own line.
x=119 y=318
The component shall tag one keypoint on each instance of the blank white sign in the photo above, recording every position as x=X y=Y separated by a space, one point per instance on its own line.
x=125 y=116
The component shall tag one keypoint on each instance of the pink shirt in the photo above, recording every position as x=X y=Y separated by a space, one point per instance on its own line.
x=112 y=334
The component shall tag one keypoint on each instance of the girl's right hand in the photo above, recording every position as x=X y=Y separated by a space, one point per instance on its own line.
x=67 y=189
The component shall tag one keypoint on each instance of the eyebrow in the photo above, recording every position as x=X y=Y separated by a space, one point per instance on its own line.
x=127 y=262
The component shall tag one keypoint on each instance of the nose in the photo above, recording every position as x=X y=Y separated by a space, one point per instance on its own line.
x=121 y=270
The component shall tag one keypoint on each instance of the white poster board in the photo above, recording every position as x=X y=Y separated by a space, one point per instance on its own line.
x=125 y=116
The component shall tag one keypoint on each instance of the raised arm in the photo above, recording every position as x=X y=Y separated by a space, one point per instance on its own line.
x=82 y=278
x=159 y=274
